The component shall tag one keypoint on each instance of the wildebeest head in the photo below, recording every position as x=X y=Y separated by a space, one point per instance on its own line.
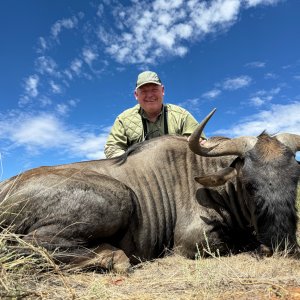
x=266 y=175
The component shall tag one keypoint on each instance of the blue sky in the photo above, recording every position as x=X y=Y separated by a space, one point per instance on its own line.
x=68 y=68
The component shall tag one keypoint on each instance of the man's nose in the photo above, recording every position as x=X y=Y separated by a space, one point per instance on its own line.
x=148 y=93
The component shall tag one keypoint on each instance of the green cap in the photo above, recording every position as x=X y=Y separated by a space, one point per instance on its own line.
x=147 y=77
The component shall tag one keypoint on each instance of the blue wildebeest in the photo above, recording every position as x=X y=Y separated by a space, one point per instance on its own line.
x=228 y=194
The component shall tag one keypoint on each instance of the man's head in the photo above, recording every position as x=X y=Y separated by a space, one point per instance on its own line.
x=149 y=92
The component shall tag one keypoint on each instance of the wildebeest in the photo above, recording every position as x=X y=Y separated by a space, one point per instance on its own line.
x=227 y=195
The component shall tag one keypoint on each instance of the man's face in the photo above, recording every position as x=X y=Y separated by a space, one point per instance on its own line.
x=150 y=97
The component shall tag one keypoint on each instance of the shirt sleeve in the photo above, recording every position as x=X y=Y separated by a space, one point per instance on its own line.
x=189 y=125
x=116 y=143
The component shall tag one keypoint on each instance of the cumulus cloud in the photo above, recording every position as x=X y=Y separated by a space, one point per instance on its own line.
x=165 y=27
x=229 y=84
x=148 y=31
x=59 y=25
x=64 y=108
x=263 y=97
x=279 y=118
x=212 y=94
x=42 y=43
x=76 y=66
x=31 y=85
x=236 y=82
x=89 y=55
x=56 y=88
x=193 y=105
x=47 y=131
x=47 y=66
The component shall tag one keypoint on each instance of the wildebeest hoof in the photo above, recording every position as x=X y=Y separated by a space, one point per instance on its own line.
x=122 y=268
x=118 y=262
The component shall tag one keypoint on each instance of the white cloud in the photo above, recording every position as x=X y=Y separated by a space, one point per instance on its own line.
x=55 y=88
x=297 y=77
x=91 y=146
x=89 y=55
x=76 y=66
x=47 y=66
x=264 y=97
x=59 y=25
x=31 y=85
x=42 y=44
x=38 y=131
x=256 y=64
x=100 y=10
x=166 y=4
x=279 y=118
x=192 y=105
x=257 y=101
x=212 y=94
x=73 y=102
x=270 y=75
x=62 y=109
x=148 y=31
x=45 y=101
x=250 y=3
x=237 y=82
x=46 y=131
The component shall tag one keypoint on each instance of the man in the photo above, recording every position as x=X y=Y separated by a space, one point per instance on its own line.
x=149 y=118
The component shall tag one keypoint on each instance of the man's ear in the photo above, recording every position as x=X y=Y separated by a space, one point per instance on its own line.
x=135 y=95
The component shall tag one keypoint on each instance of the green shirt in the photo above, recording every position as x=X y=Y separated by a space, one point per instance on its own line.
x=128 y=128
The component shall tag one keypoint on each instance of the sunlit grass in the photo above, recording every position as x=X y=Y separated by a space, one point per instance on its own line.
x=24 y=266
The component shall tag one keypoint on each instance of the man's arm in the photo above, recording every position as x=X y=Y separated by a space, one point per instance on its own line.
x=116 y=143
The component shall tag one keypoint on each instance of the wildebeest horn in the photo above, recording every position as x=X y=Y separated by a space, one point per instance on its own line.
x=237 y=146
x=290 y=140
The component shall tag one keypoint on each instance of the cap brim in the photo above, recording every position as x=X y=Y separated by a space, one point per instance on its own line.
x=155 y=82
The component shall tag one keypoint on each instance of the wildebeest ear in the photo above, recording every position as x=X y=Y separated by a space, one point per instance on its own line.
x=217 y=178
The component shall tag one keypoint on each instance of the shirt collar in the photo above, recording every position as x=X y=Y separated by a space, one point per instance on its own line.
x=143 y=113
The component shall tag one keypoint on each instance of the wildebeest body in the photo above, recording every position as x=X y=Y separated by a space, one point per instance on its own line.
x=148 y=201
x=78 y=203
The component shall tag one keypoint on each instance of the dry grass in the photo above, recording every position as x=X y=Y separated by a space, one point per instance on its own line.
x=243 y=276
x=174 y=277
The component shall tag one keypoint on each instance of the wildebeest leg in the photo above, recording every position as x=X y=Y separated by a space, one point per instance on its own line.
x=105 y=256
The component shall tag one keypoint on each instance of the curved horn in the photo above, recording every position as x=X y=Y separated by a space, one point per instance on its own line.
x=238 y=146
x=290 y=140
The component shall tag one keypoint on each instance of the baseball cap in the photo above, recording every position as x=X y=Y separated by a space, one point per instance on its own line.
x=147 y=77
